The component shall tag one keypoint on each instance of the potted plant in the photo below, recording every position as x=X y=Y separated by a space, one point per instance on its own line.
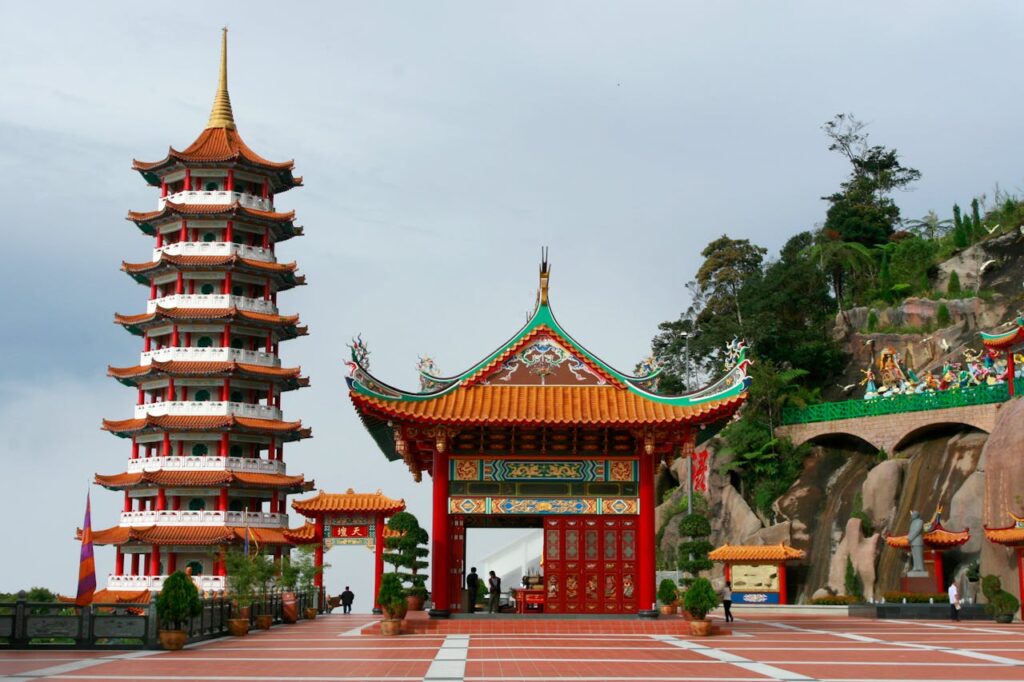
x=391 y=598
x=263 y=570
x=241 y=589
x=177 y=603
x=1001 y=604
x=287 y=581
x=307 y=572
x=668 y=595
x=407 y=549
x=973 y=577
x=700 y=598
x=693 y=553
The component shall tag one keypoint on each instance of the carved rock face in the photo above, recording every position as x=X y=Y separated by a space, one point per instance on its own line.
x=1004 y=466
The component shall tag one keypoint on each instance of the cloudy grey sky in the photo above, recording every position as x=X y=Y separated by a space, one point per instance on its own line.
x=442 y=145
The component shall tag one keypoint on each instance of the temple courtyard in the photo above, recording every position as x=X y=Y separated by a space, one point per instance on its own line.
x=762 y=646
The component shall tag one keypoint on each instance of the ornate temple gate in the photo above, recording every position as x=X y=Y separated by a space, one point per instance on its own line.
x=543 y=431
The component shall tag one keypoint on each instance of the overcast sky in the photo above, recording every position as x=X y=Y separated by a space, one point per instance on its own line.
x=442 y=145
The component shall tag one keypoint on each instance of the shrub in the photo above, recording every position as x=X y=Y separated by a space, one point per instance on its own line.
x=178 y=601
x=872 y=321
x=942 y=316
x=700 y=598
x=391 y=596
x=857 y=512
x=407 y=550
x=693 y=553
x=1000 y=602
x=974 y=572
x=835 y=600
x=241 y=580
x=852 y=581
x=668 y=593
x=953 y=288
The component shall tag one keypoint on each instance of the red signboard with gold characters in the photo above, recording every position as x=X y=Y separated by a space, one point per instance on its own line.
x=349 y=530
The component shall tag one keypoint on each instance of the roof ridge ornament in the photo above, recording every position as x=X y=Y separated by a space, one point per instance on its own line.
x=221 y=115
x=545 y=273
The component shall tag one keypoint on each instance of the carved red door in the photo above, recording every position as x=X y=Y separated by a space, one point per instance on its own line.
x=590 y=564
x=457 y=540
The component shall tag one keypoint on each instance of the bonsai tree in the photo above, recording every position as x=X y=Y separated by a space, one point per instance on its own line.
x=700 y=598
x=391 y=596
x=407 y=551
x=241 y=580
x=1001 y=604
x=693 y=553
x=178 y=601
x=668 y=593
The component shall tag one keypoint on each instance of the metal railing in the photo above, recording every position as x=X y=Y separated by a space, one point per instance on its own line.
x=899 y=404
x=48 y=625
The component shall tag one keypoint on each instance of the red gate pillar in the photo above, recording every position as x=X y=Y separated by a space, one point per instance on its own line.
x=318 y=557
x=440 y=558
x=645 y=539
x=378 y=560
x=783 y=592
x=1020 y=578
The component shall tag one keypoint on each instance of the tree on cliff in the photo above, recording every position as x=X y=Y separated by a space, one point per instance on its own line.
x=728 y=263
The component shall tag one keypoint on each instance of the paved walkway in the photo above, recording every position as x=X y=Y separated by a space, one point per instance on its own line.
x=786 y=648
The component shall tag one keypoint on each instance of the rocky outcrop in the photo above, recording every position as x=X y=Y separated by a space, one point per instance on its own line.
x=1004 y=481
x=881 y=491
x=862 y=552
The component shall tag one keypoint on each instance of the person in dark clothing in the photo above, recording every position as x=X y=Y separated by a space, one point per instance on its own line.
x=346 y=600
x=494 y=589
x=727 y=601
x=472 y=584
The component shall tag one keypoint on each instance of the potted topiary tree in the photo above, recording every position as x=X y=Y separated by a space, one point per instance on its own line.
x=287 y=581
x=693 y=553
x=307 y=573
x=263 y=575
x=407 y=550
x=699 y=600
x=668 y=595
x=1001 y=604
x=241 y=589
x=177 y=603
x=391 y=598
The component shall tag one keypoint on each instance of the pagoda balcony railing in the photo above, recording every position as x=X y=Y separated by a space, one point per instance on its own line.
x=249 y=465
x=215 y=249
x=135 y=583
x=207 y=408
x=203 y=517
x=252 y=305
x=898 y=404
x=211 y=354
x=215 y=197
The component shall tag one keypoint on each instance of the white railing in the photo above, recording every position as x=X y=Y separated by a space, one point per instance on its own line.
x=214 y=249
x=253 y=305
x=134 y=583
x=207 y=408
x=211 y=354
x=251 y=465
x=189 y=517
x=218 y=197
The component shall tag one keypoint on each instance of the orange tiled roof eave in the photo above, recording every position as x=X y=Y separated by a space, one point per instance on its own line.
x=216 y=145
x=1010 y=536
x=195 y=314
x=171 y=211
x=187 y=535
x=208 y=262
x=204 y=423
x=348 y=502
x=938 y=538
x=562 y=405
x=756 y=553
x=201 y=479
x=191 y=368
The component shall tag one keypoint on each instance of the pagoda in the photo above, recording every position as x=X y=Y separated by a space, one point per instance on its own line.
x=542 y=433
x=207 y=435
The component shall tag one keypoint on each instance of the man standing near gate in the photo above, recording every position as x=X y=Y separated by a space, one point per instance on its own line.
x=346 y=600
x=494 y=593
x=472 y=584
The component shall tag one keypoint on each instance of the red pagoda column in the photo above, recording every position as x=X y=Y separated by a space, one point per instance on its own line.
x=378 y=560
x=645 y=539
x=440 y=561
x=318 y=557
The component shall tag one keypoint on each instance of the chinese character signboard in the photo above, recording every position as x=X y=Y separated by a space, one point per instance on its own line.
x=349 y=530
x=700 y=471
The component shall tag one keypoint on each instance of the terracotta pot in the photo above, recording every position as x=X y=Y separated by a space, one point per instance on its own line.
x=391 y=626
x=1004 y=618
x=242 y=611
x=668 y=609
x=415 y=602
x=397 y=613
x=700 y=628
x=310 y=613
x=238 y=626
x=173 y=640
x=264 y=621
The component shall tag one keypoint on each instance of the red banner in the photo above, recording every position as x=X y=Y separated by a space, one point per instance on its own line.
x=700 y=471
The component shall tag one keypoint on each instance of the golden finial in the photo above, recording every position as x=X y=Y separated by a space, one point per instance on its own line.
x=220 y=115
x=545 y=272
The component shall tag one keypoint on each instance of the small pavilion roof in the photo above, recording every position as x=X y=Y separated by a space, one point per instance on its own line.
x=136 y=323
x=1008 y=339
x=220 y=142
x=204 y=479
x=287 y=377
x=348 y=502
x=209 y=211
x=1011 y=536
x=937 y=538
x=756 y=553
x=284 y=272
x=127 y=427
x=186 y=535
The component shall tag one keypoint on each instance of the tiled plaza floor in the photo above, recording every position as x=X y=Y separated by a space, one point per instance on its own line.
x=786 y=648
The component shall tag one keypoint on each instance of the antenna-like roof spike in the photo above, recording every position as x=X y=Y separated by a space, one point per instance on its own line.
x=545 y=272
x=221 y=115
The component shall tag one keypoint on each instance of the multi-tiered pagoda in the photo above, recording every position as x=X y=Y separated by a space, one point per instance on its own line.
x=208 y=435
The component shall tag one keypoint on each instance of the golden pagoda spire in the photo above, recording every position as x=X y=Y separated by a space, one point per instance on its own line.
x=220 y=115
x=545 y=272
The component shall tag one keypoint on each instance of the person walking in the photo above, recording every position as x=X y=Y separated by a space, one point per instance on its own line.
x=472 y=583
x=954 y=602
x=346 y=600
x=494 y=586
x=727 y=601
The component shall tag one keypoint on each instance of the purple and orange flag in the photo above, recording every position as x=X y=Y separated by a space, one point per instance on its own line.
x=87 y=563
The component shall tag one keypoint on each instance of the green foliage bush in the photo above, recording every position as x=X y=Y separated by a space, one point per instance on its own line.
x=872 y=321
x=693 y=553
x=857 y=512
x=835 y=600
x=668 y=592
x=178 y=601
x=1000 y=602
x=852 y=581
x=408 y=551
x=942 y=317
x=953 y=288
x=391 y=596
x=700 y=598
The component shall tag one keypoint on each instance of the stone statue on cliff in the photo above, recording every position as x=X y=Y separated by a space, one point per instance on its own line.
x=915 y=536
